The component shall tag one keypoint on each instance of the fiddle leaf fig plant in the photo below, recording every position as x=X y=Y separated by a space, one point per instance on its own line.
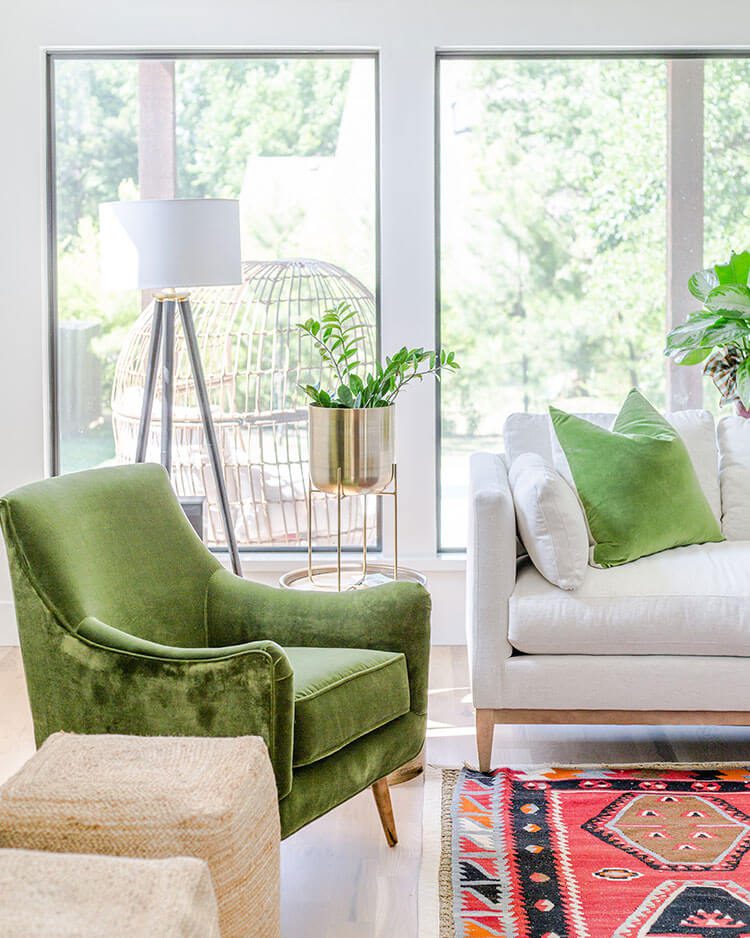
x=339 y=340
x=718 y=333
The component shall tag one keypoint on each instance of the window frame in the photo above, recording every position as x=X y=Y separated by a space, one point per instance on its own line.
x=51 y=57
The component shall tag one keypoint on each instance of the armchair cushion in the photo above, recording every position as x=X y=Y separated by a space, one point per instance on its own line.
x=341 y=694
x=687 y=601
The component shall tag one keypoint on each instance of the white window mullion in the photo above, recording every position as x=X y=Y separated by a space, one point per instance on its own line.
x=408 y=277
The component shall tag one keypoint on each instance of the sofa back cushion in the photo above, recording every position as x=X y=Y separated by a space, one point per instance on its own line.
x=734 y=476
x=532 y=433
x=524 y=433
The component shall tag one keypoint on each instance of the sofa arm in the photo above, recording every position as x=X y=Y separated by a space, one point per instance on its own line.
x=107 y=681
x=392 y=617
x=490 y=573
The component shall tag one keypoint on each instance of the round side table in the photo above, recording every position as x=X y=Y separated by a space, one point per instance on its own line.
x=323 y=577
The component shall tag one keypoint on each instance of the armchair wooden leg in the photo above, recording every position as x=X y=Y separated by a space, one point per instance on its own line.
x=485 y=732
x=382 y=794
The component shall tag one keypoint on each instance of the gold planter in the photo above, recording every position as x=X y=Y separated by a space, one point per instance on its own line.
x=360 y=442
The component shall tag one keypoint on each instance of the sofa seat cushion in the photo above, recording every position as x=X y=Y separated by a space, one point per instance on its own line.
x=341 y=694
x=686 y=601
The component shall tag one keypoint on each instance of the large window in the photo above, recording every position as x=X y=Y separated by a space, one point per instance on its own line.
x=576 y=195
x=294 y=139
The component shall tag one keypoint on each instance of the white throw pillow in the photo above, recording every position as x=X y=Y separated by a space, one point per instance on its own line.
x=550 y=521
x=734 y=475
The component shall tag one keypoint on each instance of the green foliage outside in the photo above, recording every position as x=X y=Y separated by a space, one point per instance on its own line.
x=228 y=111
x=553 y=256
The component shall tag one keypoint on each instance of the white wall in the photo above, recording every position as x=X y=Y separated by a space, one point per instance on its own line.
x=406 y=33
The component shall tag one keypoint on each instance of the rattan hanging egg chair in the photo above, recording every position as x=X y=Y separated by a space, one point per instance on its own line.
x=254 y=358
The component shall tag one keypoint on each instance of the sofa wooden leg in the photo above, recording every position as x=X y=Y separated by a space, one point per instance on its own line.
x=382 y=794
x=485 y=732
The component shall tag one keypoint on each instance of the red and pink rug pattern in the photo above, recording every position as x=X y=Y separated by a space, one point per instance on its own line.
x=596 y=853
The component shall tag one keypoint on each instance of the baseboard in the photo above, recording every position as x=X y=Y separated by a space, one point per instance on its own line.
x=8 y=627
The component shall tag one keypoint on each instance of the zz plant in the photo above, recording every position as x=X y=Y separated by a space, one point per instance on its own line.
x=719 y=333
x=339 y=341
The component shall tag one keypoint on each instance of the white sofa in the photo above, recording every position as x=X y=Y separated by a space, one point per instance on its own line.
x=665 y=639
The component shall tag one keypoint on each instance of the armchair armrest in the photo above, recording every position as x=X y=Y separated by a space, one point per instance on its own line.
x=393 y=617
x=115 y=682
x=490 y=573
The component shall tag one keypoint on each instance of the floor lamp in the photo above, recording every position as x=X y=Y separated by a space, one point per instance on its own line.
x=166 y=245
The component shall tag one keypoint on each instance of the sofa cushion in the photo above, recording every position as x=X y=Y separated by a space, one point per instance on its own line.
x=550 y=521
x=734 y=476
x=687 y=601
x=533 y=433
x=341 y=694
x=698 y=431
x=637 y=483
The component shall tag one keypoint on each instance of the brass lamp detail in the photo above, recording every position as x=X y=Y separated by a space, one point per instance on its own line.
x=359 y=442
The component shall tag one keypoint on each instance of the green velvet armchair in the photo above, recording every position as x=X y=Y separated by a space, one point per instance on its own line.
x=128 y=624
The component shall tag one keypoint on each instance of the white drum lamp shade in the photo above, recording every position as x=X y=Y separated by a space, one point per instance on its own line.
x=156 y=244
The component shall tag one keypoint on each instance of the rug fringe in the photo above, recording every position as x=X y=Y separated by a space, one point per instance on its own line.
x=429 y=886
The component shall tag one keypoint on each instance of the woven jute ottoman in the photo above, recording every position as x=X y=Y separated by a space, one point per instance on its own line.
x=73 y=896
x=151 y=797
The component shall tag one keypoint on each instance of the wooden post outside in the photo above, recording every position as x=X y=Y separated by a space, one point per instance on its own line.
x=157 y=145
x=684 y=214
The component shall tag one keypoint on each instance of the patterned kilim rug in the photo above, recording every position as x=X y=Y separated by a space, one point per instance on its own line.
x=590 y=852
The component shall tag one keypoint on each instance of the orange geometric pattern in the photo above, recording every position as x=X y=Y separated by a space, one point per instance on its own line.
x=601 y=853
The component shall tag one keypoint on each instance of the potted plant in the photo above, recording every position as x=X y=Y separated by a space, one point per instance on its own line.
x=719 y=333
x=352 y=421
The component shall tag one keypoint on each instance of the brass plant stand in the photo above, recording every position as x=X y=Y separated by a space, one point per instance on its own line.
x=328 y=577
x=339 y=496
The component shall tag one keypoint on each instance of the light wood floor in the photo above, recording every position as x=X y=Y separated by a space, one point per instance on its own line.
x=339 y=879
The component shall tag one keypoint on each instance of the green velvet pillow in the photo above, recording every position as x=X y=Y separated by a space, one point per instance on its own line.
x=636 y=482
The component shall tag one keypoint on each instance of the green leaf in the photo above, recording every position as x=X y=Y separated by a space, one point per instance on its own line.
x=324 y=398
x=733 y=297
x=356 y=384
x=702 y=283
x=345 y=396
x=725 y=332
x=689 y=334
x=311 y=390
x=743 y=382
x=691 y=356
x=736 y=270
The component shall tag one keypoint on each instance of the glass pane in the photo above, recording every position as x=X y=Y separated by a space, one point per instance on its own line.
x=552 y=233
x=726 y=152
x=294 y=140
x=726 y=172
